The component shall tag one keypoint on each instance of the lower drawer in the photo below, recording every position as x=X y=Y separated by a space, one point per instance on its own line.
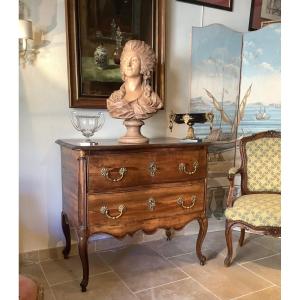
x=119 y=209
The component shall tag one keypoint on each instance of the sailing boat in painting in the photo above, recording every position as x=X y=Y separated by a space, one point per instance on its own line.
x=262 y=115
x=234 y=123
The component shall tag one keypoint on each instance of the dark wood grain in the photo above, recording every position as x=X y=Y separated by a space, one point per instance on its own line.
x=70 y=180
x=148 y=226
x=82 y=249
x=228 y=236
x=203 y=223
x=113 y=144
x=169 y=234
x=151 y=201
x=82 y=190
x=66 y=230
x=227 y=5
x=137 y=164
x=230 y=224
x=242 y=237
x=137 y=209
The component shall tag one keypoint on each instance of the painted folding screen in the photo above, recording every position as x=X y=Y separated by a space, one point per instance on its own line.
x=237 y=77
x=261 y=68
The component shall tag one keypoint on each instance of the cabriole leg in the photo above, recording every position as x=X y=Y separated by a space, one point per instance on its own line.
x=202 y=233
x=66 y=230
x=82 y=248
x=168 y=234
x=242 y=237
x=228 y=236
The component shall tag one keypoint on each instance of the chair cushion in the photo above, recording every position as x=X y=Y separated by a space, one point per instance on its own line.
x=256 y=209
x=263 y=165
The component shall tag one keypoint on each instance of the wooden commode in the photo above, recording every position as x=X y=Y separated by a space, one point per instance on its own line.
x=119 y=189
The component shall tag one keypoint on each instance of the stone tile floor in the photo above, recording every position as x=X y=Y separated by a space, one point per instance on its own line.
x=168 y=270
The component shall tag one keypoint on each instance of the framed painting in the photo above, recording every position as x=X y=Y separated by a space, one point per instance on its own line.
x=264 y=12
x=96 y=33
x=221 y=4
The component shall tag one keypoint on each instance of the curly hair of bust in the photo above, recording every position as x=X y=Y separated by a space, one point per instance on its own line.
x=144 y=52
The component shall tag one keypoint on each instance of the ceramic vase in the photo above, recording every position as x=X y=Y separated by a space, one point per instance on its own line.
x=101 y=57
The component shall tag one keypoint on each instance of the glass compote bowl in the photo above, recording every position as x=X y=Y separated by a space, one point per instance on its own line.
x=87 y=123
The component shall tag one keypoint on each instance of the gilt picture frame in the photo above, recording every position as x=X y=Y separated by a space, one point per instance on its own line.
x=220 y=4
x=264 y=12
x=96 y=33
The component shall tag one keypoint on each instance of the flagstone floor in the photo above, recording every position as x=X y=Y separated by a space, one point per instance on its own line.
x=164 y=269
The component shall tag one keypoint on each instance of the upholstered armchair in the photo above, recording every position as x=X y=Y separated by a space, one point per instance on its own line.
x=258 y=207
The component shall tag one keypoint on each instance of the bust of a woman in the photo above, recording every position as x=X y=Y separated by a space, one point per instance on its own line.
x=135 y=99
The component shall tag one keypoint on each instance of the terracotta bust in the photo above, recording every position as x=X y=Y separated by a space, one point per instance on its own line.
x=135 y=100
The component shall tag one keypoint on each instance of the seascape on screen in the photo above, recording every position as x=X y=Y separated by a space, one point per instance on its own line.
x=250 y=124
x=237 y=77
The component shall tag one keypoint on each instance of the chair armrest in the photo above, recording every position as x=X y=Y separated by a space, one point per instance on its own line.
x=231 y=174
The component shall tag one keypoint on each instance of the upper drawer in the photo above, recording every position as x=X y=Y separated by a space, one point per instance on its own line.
x=107 y=171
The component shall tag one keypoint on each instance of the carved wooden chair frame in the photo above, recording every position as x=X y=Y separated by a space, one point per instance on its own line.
x=230 y=224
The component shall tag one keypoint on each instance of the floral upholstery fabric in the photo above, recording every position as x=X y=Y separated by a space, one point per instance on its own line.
x=256 y=209
x=263 y=165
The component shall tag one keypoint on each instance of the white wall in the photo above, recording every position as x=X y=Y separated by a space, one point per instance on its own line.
x=44 y=111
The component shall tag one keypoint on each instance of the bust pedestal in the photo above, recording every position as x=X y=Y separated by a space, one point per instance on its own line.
x=133 y=134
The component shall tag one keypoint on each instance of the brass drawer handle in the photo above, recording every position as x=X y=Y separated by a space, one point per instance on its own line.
x=180 y=202
x=105 y=172
x=152 y=168
x=151 y=203
x=182 y=168
x=105 y=211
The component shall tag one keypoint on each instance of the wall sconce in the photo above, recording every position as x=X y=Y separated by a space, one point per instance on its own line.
x=29 y=42
x=25 y=34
